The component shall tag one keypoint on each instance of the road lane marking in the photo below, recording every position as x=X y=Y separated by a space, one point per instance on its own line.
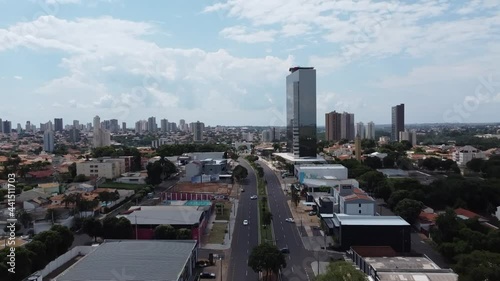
x=292 y=270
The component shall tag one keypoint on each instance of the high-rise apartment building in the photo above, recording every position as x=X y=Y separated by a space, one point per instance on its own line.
x=182 y=125
x=347 y=126
x=76 y=124
x=124 y=126
x=197 y=128
x=398 y=121
x=275 y=134
x=6 y=127
x=1 y=126
x=360 y=130
x=332 y=126
x=48 y=141
x=410 y=136
x=101 y=136
x=28 y=126
x=113 y=126
x=152 y=126
x=58 y=124
x=266 y=136
x=301 y=111
x=370 y=130
x=164 y=125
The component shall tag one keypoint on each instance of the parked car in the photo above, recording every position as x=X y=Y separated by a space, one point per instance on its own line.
x=245 y=222
x=290 y=220
x=207 y=275
x=285 y=251
x=253 y=197
x=312 y=213
x=203 y=263
x=242 y=189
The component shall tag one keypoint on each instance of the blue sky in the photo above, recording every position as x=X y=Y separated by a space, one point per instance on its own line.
x=225 y=62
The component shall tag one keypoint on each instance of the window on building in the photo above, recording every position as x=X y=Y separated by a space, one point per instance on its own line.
x=360 y=205
x=360 y=211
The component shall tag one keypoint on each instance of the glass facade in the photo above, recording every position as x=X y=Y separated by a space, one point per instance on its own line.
x=301 y=112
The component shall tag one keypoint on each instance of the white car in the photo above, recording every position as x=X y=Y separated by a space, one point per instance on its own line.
x=253 y=197
x=290 y=220
x=245 y=222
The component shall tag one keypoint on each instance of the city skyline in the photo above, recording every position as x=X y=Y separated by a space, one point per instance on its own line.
x=201 y=61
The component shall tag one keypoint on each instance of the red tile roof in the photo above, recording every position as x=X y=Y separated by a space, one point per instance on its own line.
x=41 y=174
x=430 y=217
x=466 y=213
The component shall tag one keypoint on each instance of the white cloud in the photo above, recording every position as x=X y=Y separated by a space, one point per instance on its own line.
x=241 y=34
x=18 y=77
x=62 y=1
x=115 y=68
x=372 y=28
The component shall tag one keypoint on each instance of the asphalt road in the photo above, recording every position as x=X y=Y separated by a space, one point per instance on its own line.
x=286 y=234
x=245 y=238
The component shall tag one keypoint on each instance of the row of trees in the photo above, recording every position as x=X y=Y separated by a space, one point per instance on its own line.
x=488 y=168
x=122 y=228
x=179 y=149
x=35 y=255
x=473 y=248
x=160 y=170
x=268 y=259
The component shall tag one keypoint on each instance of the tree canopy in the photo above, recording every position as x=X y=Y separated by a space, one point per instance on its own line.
x=240 y=172
x=266 y=258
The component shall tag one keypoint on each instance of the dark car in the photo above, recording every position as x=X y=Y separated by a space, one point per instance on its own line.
x=285 y=251
x=202 y=263
x=206 y=275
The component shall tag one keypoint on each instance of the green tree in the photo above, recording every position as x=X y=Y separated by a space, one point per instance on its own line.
x=475 y=164
x=38 y=255
x=478 y=265
x=81 y=178
x=371 y=180
x=52 y=241
x=240 y=172
x=409 y=209
x=23 y=264
x=72 y=170
x=373 y=162
x=267 y=218
x=184 y=234
x=117 y=228
x=67 y=238
x=396 y=197
x=165 y=232
x=266 y=258
x=341 y=271
x=448 y=227
x=92 y=227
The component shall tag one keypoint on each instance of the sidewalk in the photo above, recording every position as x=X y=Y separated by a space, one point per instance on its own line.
x=228 y=237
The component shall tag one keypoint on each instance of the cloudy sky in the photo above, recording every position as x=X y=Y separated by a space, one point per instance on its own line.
x=225 y=62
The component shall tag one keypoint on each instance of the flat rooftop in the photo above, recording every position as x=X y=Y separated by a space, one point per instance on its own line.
x=342 y=219
x=403 y=276
x=402 y=263
x=323 y=167
x=132 y=260
x=290 y=157
x=164 y=214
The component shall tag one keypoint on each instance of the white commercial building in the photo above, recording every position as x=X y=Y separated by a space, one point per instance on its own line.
x=101 y=137
x=104 y=169
x=370 y=131
x=331 y=171
x=465 y=154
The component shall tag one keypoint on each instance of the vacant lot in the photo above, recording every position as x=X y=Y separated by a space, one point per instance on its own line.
x=217 y=233
x=223 y=214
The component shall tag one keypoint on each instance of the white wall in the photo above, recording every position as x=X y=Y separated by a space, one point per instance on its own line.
x=61 y=260
x=46 y=225
x=497 y=214
x=353 y=208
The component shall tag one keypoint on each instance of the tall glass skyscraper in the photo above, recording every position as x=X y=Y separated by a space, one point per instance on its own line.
x=398 y=121
x=301 y=112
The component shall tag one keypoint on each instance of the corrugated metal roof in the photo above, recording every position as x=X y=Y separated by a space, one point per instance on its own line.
x=131 y=260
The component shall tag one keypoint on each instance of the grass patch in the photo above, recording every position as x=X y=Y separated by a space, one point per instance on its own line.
x=119 y=185
x=266 y=233
x=217 y=233
x=223 y=214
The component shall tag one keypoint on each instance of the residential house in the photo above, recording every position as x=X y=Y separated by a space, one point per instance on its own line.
x=49 y=188
x=132 y=178
x=353 y=201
